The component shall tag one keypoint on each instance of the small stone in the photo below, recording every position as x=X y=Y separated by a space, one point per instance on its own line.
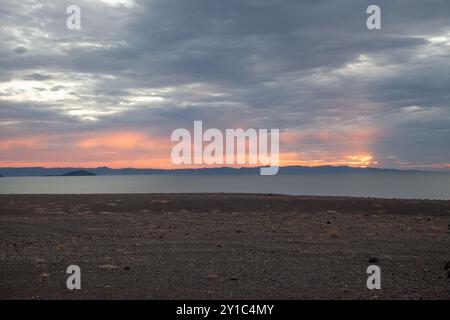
x=212 y=276
x=160 y=201
x=108 y=267
x=447 y=265
x=334 y=234
x=233 y=279
x=328 y=222
x=373 y=260
x=127 y=268
x=60 y=247
x=44 y=276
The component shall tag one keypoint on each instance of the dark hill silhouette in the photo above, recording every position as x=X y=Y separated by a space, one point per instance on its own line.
x=105 y=171
x=78 y=173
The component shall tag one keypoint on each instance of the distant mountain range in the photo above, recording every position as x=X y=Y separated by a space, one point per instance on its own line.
x=103 y=171
x=78 y=173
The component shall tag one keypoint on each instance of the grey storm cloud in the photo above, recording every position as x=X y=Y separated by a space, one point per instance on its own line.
x=37 y=77
x=288 y=64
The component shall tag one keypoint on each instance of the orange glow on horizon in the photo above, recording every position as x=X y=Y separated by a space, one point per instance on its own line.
x=139 y=149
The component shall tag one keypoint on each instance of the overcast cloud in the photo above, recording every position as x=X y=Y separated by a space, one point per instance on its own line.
x=339 y=93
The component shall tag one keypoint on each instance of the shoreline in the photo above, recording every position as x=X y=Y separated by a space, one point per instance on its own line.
x=222 y=246
x=227 y=194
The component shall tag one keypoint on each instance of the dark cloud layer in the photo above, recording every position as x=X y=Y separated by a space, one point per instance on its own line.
x=310 y=68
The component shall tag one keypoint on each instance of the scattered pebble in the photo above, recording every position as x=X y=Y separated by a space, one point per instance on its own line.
x=160 y=201
x=373 y=260
x=447 y=265
x=44 y=276
x=334 y=234
x=212 y=276
x=108 y=267
x=127 y=268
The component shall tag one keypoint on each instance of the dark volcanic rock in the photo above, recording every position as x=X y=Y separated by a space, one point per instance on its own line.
x=373 y=260
x=447 y=265
x=78 y=173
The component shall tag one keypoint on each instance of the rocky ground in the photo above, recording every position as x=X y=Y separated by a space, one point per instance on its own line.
x=222 y=246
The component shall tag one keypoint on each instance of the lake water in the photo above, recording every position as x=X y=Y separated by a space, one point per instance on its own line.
x=383 y=185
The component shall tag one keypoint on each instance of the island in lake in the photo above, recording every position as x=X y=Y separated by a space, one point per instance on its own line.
x=79 y=173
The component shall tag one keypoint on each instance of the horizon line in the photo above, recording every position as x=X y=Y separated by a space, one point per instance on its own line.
x=227 y=167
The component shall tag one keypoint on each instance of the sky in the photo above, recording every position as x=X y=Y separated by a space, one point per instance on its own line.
x=111 y=93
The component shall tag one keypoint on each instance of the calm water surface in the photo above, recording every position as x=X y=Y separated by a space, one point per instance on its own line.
x=384 y=185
